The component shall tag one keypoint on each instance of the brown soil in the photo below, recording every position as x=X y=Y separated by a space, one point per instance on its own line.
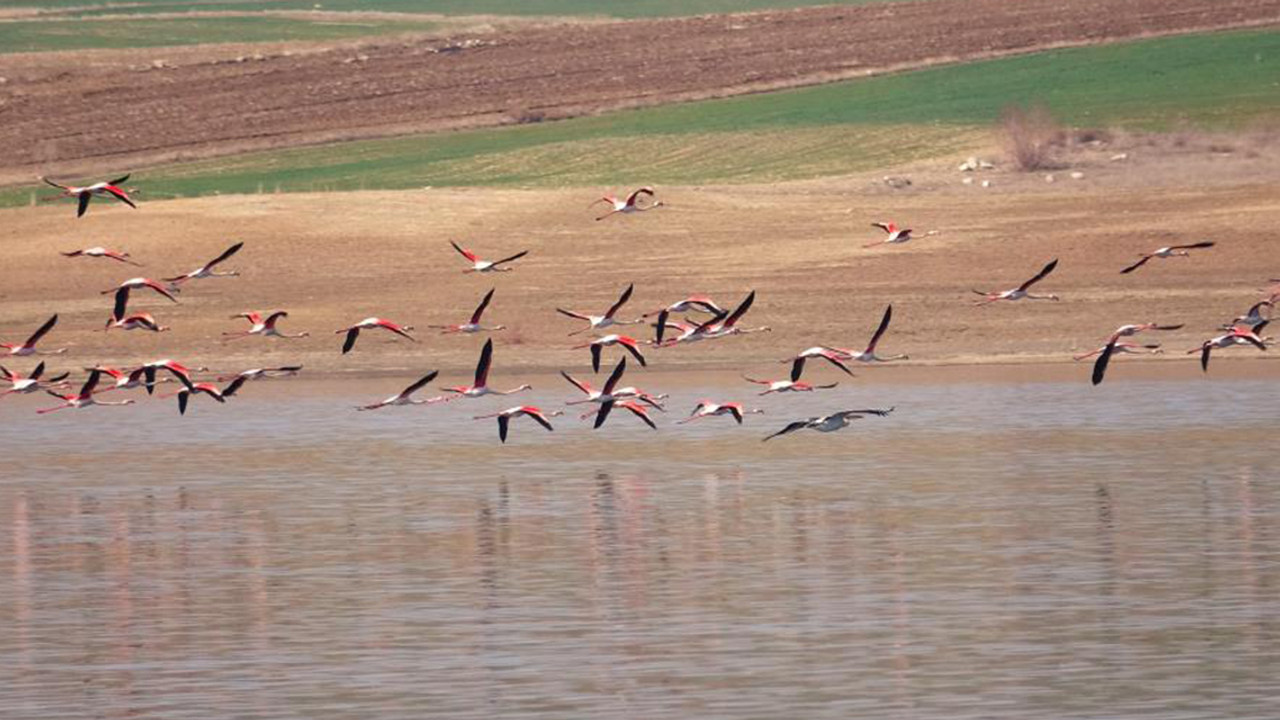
x=72 y=113
x=331 y=260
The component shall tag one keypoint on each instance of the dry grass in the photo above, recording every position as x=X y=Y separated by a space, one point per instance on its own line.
x=1030 y=136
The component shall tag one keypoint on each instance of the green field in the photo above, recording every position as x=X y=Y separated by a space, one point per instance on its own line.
x=47 y=35
x=597 y=8
x=1220 y=80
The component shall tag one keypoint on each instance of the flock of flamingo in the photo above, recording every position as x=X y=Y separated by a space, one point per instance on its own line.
x=703 y=320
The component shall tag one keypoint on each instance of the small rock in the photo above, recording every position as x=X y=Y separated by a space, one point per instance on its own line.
x=1119 y=157
x=159 y=64
x=983 y=164
x=967 y=181
x=896 y=183
x=1077 y=175
x=966 y=166
x=1049 y=178
x=986 y=183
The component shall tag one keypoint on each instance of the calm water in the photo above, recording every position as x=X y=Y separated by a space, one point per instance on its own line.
x=988 y=551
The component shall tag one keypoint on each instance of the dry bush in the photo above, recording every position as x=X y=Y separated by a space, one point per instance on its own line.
x=1030 y=135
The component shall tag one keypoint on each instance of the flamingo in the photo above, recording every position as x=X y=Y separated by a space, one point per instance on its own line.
x=630 y=405
x=129 y=380
x=122 y=294
x=504 y=418
x=693 y=302
x=177 y=369
x=896 y=235
x=1022 y=291
x=102 y=252
x=1134 y=329
x=405 y=397
x=717 y=327
x=1112 y=347
x=264 y=328
x=707 y=408
x=207 y=270
x=630 y=344
x=829 y=354
x=596 y=322
x=869 y=354
x=482 y=266
x=1237 y=336
x=84 y=398
x=629 y=205
x=1253 y=317
x=144 y=321
x=371 y=323
x=792 y=385
x=29 y=346
x=31 y=383
x=1164 y=252
x=610 y=392
x=480 y=387
x=828 y=423
x=184 y=395
x=260 y=373
x=473 y=325
x=84 y=194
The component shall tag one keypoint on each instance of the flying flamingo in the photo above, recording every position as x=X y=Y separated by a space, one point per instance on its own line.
x=596 y=322
x=610 y=392
x=1112 y=347
x=707 y=408
x=405 y=397
x=693 y=302
x=177 y=369
x=869 y=354
x=1253 y=317
x=84 y=398
x=895 y=235
x=629 y=205
x=207 y=270
x=473 y=325
x=1134 y=329
x=184 y=395
x=480 y=387
x=482 y=266
x=102 y=252
x=629 y=343
x=265 y=328
x=84 y=194
x=1164 y=252
x=143 y=321
x=1237 y=336
x=717 y=327
x=122 y=294
x=829 y=423
x=831 y=355
x=504 y=418
x=128 y=380
x=353 y=332
x=1022 y=291
x=792 y=385
x=29 y=347
x=31 y=383
x=630 y=405
x=260 y=373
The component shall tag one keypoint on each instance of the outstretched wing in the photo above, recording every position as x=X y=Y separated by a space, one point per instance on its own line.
x=419 y=385
x=482 y=367
x=226 y=254
x=741 y=309
x=790 y=428
x=884 y=325
x=44 y=329
x=634 y=196
x=517 y=256
x=1100 y=365
x=615 y=376
x=465 y=253
x=1136 y=265
x=1193 y=246
x=576 y=383
x=350 y=342
x=1040 y=275
x=626 y=295
x=475 y=316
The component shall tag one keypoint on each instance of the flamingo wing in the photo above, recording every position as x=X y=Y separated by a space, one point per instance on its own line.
x=1100 y=365
x=1193 y=246
x=44 y=329
x=35 y=374
x=605 y=408
x=635 y=352
x=350 y=342
x=482 y=367
x=615 y=376
x=626 y=295
x=517 y=256
x=183 y=398
x=465 y=253
x=1204 y=356
x=836 y=361
x=791 y=427
x=538 y=418
x=1040 y=275
x=573 y=314
x=595 y=357
x=475 y=316
x=60 y=187
x=422 y=382
x=661 y=327
x=92 y=382
x=504 y=421
x=117 y=181
x=120 y=195
x=797 y=367
x=585 y=388
x=273 y=317
x=884 y=325
x=234 y=387
x=640 y=413
x=741 y=309
x=1136 y=265
x=225 y=254
x=635 y=195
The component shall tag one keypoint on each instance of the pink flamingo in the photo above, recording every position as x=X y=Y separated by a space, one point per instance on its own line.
x=869 y=354
x=122 y=294
x=128 y=380
x=31 y=383
x=371 y=323
x=596 y=322
x=629 y=405
x=482 y=266
x=1237 y=336
x=473 y=325
x=177 y=369
x=102 y=252
x=260 y=373
x=405 y=397
x=610 y=392
x=896 y=235
x=630 y=344
x=630 y=205
x=84 y=398
x=1164 y=252
x=1113 y=347
x=29 y=346
x=264 y=328
x=1253 y=317
x=707 y=408
x=143 y=321
x=480 y=387
x=829 y=354
x=1022 y=291
x=693 y=302
x=504 y=418
x=792 y=385
x=207 y=270
x=84 y=194
x=184 y=395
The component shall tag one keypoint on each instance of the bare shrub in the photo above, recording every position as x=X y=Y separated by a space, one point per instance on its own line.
x=1030 y=135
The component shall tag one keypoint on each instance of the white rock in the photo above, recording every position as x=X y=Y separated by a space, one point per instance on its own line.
x=987 y=165
x=967 y=181
x=986 y=183
x=1119 y=157
x=1049 y=178
x=1077 y=175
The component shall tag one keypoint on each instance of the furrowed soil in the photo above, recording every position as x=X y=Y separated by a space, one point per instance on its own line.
x=86 y=112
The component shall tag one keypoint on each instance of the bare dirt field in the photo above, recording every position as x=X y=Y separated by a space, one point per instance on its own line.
x=333 y=259
x=67 y=113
